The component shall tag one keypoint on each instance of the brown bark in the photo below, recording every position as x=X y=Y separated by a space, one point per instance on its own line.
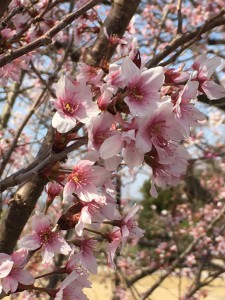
x=28 y=194
x=3 y=6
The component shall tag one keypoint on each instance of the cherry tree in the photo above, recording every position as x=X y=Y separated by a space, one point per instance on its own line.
x=89 y=90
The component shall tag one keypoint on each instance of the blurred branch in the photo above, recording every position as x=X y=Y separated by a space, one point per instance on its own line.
x=186 y=39
x=46 y=39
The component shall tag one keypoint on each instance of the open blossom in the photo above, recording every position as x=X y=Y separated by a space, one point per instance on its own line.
x=96 y=211
x=84 y=181
x=74 y=102
x=142 y=87
x=158 y=129
x=115 y=78
x=167 y=169
x=11 y=271
x=71 y=287
x=126 y=141
x=99 y=130
x=89 y=74
x=129 y=226
x=13 y=70
x=86 y=254
x=114 y=239
x=187 y=114
x=204 y=68
x=44 y=237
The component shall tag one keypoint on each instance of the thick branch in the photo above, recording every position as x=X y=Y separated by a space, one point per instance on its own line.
x=115 y=24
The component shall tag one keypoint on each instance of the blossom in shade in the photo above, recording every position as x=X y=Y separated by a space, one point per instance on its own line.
x=43 y=236
x=129 y=226
x=186 y=113
x=142 y=87
x=86 y=254
x=114 y=239
x=84 y=181
x=71 y=287
x=204 y=68
x=96 y=211
x=11 y=271
x=89 y=74
x=115 y=78
x=99 y=130
x=73 y=103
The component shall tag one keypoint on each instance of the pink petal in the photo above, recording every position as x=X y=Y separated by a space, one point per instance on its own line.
x=5 y=267
x=111 y=146
x=30 y=241
x=9 y=284
x=22 y=276
x=63 y=124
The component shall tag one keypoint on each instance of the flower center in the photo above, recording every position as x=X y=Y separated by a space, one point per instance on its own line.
x=46 y=236
x=135 y=93
x=76 y=178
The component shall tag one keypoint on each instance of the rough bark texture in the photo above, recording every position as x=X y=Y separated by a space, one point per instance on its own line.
x=28 y=194
x=115 y=24
x=22 y=205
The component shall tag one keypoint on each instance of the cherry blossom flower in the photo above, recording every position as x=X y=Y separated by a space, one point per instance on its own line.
x=99 y=130
x=96 y=211
x=204 y=68
x=129 y=226
x=71 y=287
x=127 y=140
x=86 y=254
x=115 y=78
x=11 y=271
x=13 y=70
x=89 y=74
x=74 y=102
x=114 y=39
x=84 y=181
x=187 y=114
x=158 y=129
x=53 y=190
x=114 y=239
x=142 y=87
x=44 y=237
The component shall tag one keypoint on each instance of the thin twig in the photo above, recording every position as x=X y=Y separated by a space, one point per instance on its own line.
x=46 y=38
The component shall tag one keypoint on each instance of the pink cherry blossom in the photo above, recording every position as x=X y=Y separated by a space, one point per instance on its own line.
x=84 y=181
x=53 y=190
x=71 y=287
x=115 y=78
x=114 y=239
x=160 y=128
x=44 y=237
x=127 y=140
x=129 y=226
x=74 y=102
x=204 y=68
x=99 y=130
x=96 y=211
x=11 y=271
x=89 y=74
x=87 y=247
x=142 y=87
x=187 y=114
x=13 y=70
